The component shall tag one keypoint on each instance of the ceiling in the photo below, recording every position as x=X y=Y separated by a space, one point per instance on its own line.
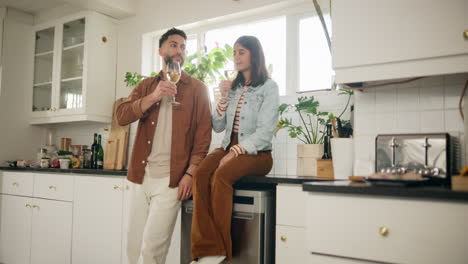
x=32 y=6
x=114 y=8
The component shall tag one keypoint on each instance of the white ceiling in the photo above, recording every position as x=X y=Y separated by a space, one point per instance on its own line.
x=115 y=8
x=32 y=6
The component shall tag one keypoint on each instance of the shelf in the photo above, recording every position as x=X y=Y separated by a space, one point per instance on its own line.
x=73 y=46
x=44 y=53
x=72 y=79
x=42 y=84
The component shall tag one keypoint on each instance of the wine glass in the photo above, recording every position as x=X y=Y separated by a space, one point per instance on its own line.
x=230 y=76
x=173 y=73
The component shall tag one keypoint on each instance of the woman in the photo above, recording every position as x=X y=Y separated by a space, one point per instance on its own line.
x=248 y=113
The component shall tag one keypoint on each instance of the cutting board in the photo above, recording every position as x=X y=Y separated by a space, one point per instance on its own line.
x=115 y=156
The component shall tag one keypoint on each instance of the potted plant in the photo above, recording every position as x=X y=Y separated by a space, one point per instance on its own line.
x=204 y=66
x=310 y=131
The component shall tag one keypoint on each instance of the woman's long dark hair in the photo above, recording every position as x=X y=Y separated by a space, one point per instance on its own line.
x=259 y=73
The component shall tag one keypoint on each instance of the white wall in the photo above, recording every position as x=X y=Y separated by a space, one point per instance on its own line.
x=18 y=140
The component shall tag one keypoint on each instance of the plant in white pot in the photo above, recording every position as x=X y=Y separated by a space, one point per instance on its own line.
x=310 y=130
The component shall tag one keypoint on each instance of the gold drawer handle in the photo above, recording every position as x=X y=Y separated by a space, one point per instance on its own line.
x=27 y=205
x=126 y=187
x=465 y=34
x=15 y=184
x=383 y=231
x=52 y=187
x=284 y=238
x=36 y=206
x=116 y=187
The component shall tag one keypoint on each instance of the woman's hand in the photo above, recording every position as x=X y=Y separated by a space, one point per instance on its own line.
x=227 y=158
x=224 y=87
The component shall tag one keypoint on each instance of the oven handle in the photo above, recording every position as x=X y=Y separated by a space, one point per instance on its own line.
x=239 y=215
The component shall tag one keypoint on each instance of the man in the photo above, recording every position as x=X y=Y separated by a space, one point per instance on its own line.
x=170 y=142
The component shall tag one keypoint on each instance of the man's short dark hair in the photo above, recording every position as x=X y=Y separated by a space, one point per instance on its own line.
x=170 y=32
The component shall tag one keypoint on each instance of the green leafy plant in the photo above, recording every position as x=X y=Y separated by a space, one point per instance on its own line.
x=207 y=66
x=203 y=66
x=311 y=129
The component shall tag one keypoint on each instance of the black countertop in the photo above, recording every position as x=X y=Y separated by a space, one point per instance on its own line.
x=72 y=171
x=364 y=188
x=248 y=180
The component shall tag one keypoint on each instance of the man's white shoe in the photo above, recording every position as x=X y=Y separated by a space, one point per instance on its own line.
x=211 y=260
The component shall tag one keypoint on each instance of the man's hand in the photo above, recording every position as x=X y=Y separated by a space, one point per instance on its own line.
x=185 y=188
x=227 y=158
x=164 y=88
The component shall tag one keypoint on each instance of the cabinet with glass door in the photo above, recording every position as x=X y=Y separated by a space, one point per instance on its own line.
x=74 y=70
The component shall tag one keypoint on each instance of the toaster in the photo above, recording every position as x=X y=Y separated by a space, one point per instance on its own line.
x=434 y=156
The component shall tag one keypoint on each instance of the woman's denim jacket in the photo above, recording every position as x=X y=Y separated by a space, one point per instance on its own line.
x=258 y=117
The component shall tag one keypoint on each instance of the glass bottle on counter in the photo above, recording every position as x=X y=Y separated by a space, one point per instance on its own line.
x=94 y=151
x=100 y=155
x=327 y=146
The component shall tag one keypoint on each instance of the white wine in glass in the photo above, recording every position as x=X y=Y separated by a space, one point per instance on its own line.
x=173 y=73
x=230 y=75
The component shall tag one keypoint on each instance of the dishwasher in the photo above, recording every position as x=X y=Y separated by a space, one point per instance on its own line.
x=252 y=228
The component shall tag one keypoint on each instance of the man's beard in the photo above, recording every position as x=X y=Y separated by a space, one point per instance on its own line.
x=168 y=59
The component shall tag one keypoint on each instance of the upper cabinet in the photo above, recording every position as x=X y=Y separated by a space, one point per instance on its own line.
x=74 y=70
x=377 y=40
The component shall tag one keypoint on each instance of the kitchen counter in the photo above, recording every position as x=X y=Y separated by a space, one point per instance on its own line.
x=72 y=171
x=363 y=188
x=246 y=181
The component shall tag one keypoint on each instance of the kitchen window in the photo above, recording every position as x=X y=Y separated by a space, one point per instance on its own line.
x=296 y=51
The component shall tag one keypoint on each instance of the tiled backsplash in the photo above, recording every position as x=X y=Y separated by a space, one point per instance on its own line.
x=423 y=106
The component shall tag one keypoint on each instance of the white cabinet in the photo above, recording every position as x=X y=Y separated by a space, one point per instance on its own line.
x=125 y=221
x=387 y=230
x=15 y=229
x=97 y=220
x=74 y=69
x=375 y=40
x=51 y=232
x=33 y=230
x=290 y=225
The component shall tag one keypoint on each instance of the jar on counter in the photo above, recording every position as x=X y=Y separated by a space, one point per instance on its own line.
x=44 y=163
x=42 y=153
x=86 y=158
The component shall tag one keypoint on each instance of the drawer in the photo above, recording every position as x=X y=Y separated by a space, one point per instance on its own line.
x=290 y=205
x=17 y=183
x=416 y=231
x=54 y=186
x=290 y=245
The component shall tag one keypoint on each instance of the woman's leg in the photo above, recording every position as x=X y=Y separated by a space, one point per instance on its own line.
x=222 y=192
x=205 y=238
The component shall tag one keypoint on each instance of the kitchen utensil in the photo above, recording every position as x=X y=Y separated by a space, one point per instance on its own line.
x=339 y=127
x=335 y=132
x=119 y=136
x=110 y=156
x=65 y=144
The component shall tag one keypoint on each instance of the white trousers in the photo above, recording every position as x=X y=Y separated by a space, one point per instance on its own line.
x=153 y=209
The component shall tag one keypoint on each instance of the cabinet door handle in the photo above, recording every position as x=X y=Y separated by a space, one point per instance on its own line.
x=383 y=231
x=465 y=34
x=15 y=184
x=126 y=187
x=27 y=205
x=36 y=206
x=116 y=187
x=52 y=187
x=284 y=238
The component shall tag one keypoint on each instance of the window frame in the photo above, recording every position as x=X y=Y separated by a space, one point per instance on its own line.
x=293 y=13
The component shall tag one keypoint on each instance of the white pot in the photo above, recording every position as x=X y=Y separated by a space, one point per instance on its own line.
x=307 y=155
x=343 y=157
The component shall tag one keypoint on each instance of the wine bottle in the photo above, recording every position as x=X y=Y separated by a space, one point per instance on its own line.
x=100 y=154
x=327 y=146
x=94 y=151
